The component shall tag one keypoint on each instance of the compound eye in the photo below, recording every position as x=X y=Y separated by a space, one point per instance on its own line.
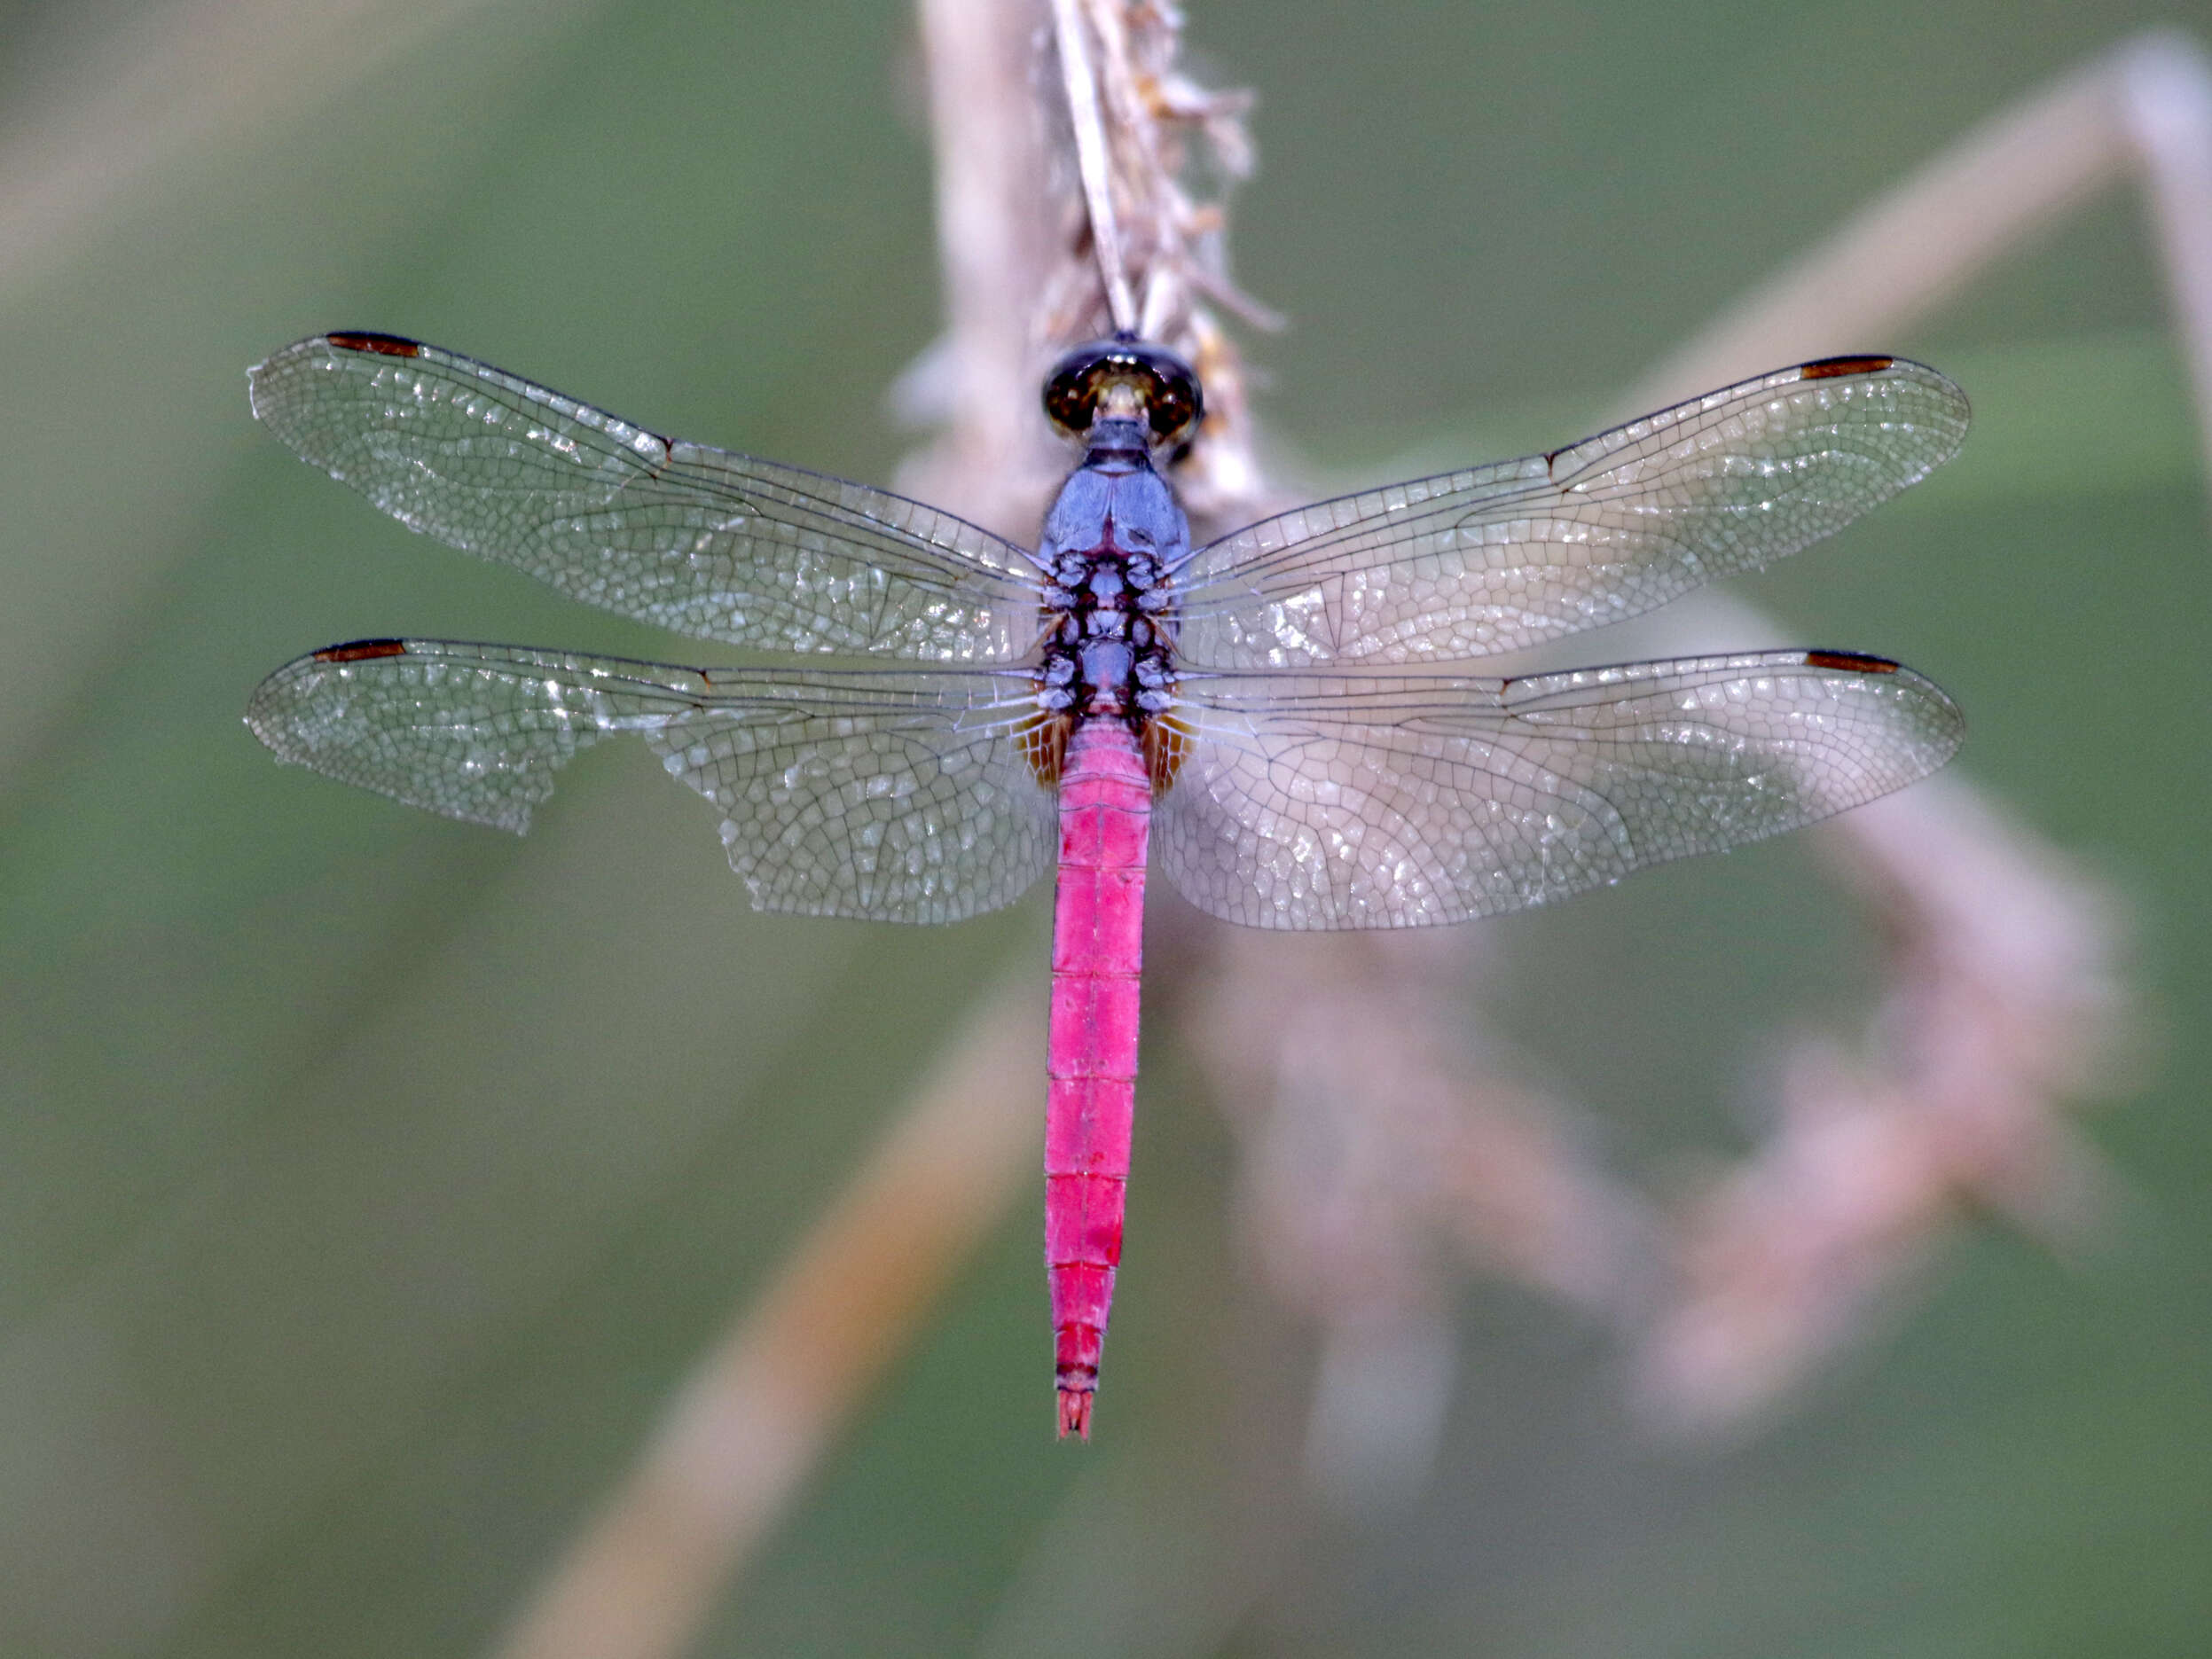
x=1165 y=390
x=1175 y=405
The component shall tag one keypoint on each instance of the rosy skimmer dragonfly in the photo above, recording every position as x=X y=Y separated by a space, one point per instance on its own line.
x=1278 y=716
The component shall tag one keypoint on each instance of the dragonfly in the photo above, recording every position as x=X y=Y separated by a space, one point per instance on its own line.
x=1282 y=717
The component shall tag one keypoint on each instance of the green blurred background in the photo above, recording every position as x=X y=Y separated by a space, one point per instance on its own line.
x=367 y=1182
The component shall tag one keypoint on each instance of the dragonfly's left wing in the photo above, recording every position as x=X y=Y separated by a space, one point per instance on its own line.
x=896 y=796
x=1398 y=800
x=1499 y=557
x=701 y=540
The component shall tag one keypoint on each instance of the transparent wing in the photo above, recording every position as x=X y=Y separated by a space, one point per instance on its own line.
x=896 y=796
x=1471 y=564
x=695 y=539
x=1400 y=800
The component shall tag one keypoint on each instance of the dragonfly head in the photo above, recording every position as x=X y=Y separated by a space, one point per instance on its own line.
x=1125 y=378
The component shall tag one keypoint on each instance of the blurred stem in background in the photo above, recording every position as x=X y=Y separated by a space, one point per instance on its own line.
x=737 y=1445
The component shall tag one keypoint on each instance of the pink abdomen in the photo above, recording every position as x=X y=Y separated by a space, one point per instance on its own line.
x=1097 y=953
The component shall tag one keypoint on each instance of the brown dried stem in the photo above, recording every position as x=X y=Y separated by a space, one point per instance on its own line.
x=756 y=1415
x=2144 y=111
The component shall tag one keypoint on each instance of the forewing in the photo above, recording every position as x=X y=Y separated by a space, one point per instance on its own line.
x=896 y=796
x=1400 y=800
x=695 y=539
x=1471 y=564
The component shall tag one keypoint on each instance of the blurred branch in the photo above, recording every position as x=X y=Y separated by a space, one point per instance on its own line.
x=2007 y=999
x=756 y=1413
x=2143 y=110
x=2006 y=1002
x=1384 y=1146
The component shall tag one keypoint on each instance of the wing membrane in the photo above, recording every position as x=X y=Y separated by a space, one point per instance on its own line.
x=1398 y=800
x=1473 y=563
x=891 y=795
x=695 y=539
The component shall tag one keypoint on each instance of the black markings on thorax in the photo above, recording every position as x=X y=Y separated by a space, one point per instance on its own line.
x=1108 y=609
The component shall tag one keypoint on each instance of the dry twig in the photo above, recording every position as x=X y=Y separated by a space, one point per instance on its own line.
x=756 y=1415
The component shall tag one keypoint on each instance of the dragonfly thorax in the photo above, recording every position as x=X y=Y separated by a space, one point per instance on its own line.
x=1110 y=541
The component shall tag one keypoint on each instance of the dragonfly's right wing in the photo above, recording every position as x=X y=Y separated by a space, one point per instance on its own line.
x=1502 y=557
x=888 y=794
x=700 y=540
x=1395 y=799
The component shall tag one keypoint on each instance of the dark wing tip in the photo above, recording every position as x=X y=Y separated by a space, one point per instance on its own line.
x=361 y=651
x=1849 y=662
x=384 y=344
x=1831 y=368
